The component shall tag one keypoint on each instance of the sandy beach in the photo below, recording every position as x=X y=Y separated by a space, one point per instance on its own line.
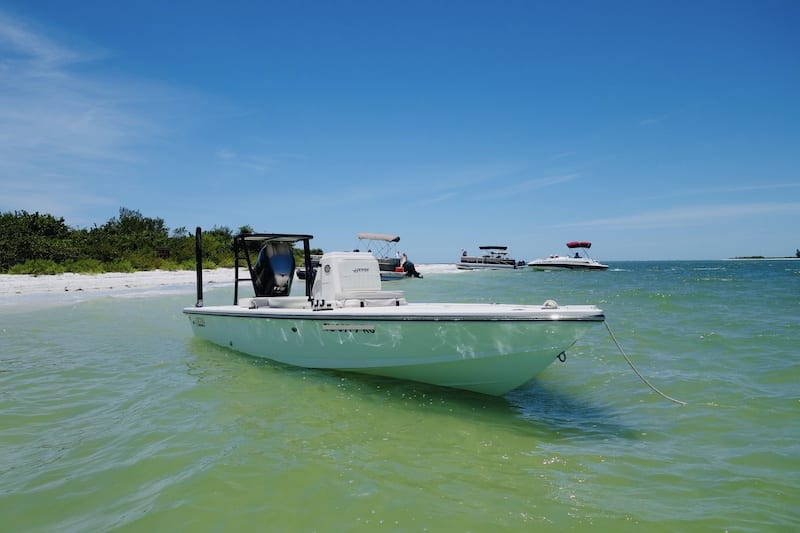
x=68 y=286
x=15 y=288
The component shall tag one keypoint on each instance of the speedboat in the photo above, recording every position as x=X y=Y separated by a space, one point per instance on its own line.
x=344 y=320
x=491 y=258
x=579 y=261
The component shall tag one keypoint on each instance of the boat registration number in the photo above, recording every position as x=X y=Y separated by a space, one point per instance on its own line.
x=349 y=328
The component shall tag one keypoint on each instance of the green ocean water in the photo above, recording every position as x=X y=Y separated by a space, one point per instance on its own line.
x=112 y=417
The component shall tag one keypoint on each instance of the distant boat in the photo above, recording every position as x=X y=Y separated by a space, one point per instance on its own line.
x=384 y=247
x=301 y=271
x=345 y=321
x=492 y=258
x=579 y=261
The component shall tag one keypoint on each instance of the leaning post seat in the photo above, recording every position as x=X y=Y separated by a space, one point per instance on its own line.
x=351 y=279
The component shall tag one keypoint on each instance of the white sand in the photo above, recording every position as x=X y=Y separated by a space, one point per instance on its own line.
x=67 y=286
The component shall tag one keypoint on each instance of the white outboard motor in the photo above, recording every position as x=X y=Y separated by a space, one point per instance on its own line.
x=272 y=274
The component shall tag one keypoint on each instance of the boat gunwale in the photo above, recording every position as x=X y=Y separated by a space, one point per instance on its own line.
x=338 y=314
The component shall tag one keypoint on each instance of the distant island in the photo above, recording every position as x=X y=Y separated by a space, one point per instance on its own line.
x=796 y=256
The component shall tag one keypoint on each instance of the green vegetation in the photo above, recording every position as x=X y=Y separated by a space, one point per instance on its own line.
x=34 y=243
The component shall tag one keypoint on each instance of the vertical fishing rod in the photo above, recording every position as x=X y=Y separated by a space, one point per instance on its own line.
x=198 y=252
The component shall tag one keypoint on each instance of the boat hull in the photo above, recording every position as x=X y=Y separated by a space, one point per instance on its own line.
x=486 y=266
x=455 y=345
x=568 y=264
x=556 y=266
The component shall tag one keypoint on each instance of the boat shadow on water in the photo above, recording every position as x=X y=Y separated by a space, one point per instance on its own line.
x=535 y=410
x=570 y=416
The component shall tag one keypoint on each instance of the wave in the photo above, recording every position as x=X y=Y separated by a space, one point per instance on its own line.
x=437 y=268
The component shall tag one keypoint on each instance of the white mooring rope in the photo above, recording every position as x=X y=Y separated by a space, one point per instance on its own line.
x=670 y=398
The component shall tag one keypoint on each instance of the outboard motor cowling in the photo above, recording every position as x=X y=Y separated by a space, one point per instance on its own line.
x=272 y=274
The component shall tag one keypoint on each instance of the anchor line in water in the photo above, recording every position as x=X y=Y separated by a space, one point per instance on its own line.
x=630 y=363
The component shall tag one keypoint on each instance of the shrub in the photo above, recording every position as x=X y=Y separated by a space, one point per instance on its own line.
x=122 y=265
x=37 y=267
x=169 y=265
x=85 y=266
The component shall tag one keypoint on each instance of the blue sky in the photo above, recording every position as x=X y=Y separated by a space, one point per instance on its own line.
x=656 y=130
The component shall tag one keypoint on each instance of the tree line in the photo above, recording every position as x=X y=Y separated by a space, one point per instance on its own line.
x=34 y=243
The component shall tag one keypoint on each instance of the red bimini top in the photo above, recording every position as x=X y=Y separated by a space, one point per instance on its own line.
x=579 y=244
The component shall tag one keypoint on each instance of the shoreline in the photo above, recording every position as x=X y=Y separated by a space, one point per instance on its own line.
x=14 y=286
x=18 y=288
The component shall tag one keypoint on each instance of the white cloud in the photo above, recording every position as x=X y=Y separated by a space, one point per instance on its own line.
x=32 y=49
x=682 y=216
x=727 y=189
x=439 y=198
x=531 y=185
x=225 y=153
x=63 y=129
x=651 y=121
